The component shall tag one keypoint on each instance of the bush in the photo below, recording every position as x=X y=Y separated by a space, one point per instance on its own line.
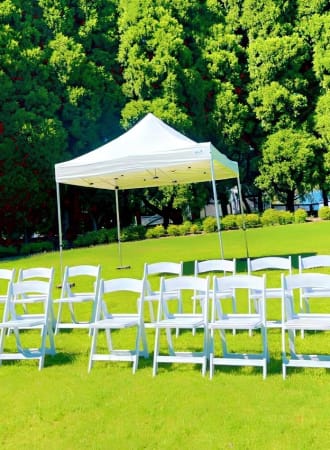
x=270 y=217
x=185 y=227
x=209 y=224
x=8 y=251
x=133 y=233
x=249 y=220
x=324 y=213
x=36 y=247
x=300 y=215
x=195 y=228
x=286 y=217
x=86 y=240
x=155 y=232
x=229 y=222
x=173 y=230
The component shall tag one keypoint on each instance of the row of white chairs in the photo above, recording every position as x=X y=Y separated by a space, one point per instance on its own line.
x=207 y=353
x=69 y=296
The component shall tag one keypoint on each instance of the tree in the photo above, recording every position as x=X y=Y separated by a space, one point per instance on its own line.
x=289 y=164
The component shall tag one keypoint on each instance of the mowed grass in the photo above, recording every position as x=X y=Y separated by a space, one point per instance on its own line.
x=63 y=406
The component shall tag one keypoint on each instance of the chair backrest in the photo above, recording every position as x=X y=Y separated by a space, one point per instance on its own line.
x=117 y=285
x=7 y=276
x=216 y=265
x=243 y=282
x=36 y=273
x=313 y=262
x=161 y=268
x=269 y=262
x=23 y=291
x=71 y=272
x=300 y=281
x=180 y=284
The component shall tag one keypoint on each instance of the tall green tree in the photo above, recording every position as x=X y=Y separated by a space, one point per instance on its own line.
x=288 y=165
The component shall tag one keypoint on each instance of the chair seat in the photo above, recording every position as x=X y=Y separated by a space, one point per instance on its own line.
x=308 y=323
x=117 y=322
x=24 y=322
x=269 y=293
x=237 y=321
x=154 y=296
x=180 y=321
x=88 y=297
x=315 y=293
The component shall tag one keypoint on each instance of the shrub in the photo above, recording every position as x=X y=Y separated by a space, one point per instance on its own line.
x=195 y=228
x=270 y=217
x=229 y=222
x=209 y=224
x=36 y=247
x=8 y=251
x=133 y=233
x=155 y=232
x=324 y=213
x=173 y=230
x=250 y=220
x=112 y=235
x=86 y=240
x=300 y=215
x=185 y=227
x=286 y=217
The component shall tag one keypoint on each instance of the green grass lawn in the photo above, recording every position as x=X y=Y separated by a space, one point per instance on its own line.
x=63 y=406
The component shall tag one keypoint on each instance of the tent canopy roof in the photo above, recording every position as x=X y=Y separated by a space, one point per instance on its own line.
x=149 y=154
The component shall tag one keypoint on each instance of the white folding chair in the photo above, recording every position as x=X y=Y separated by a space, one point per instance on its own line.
x=292 y=320
x=37 y=273
x=167 y=320
x=13 y=320
x=269 y=263
x=159 y=269
x=7 y=276
x=310 y=263
x=119 y=291
x=88 y=277
x=216 y=266
x=222 y=321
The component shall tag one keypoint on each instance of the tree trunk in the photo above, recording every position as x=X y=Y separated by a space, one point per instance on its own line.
x=290 y=201
x=325 y=197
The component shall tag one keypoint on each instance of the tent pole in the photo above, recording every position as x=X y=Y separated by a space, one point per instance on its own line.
x=215 y=197
x=118 y=232
x=59 y=217
x=243 y=215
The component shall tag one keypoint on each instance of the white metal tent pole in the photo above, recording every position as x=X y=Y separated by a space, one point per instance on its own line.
x=243 y=216
x=59 y=216
x=118 y=232
x=118 y=226
x=217 y=213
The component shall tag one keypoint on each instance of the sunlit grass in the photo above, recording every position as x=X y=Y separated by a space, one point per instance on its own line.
x=63 y=406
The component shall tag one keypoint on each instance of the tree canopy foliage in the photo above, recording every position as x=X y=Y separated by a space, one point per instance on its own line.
x=252 y=76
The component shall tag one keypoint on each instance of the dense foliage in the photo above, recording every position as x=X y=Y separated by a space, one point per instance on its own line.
x=252 y=76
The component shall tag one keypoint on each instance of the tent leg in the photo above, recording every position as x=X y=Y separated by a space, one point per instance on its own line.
x=118 y=233
x=60 y=235
x=217 y=212
x=243 y=216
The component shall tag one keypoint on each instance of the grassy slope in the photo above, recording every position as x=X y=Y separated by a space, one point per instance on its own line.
x=64 y=407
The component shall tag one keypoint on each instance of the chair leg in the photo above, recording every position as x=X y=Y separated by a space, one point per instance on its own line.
x=93 y=348
x=43 y=347
x=223 y=342
x=211 y=354
x=156 y=351
x=137 y=349
x=144 y=343
x=169 y=341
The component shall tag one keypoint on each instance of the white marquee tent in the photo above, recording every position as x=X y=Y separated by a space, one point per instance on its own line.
x=149 y=154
